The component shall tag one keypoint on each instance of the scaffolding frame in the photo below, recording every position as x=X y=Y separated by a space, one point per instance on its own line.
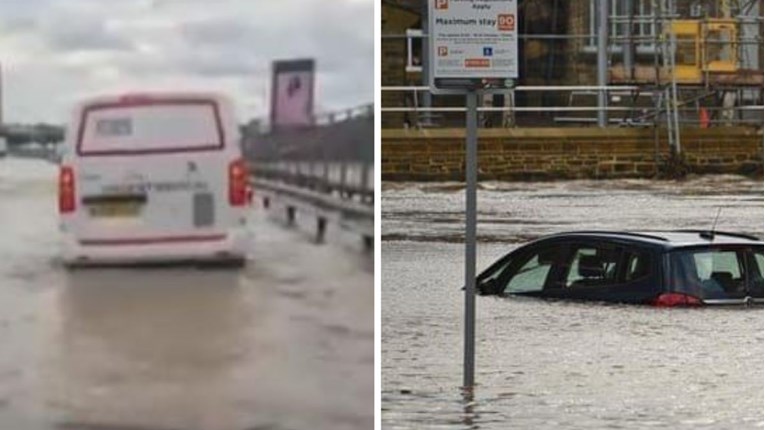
x=673 y=103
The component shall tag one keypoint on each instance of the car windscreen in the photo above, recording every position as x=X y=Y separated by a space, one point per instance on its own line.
x=711 y=273
x=157 y=127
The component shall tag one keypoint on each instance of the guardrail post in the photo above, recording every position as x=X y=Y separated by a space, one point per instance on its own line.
x=321 y=228
x=365 y=176
x=369 y=242
x=325 y=173
x=344 y=178
x=290 y=215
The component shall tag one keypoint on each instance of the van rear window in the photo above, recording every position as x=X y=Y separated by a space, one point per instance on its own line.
x=155 y=127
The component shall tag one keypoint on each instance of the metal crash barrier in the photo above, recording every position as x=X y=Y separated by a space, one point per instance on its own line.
x=324 y=172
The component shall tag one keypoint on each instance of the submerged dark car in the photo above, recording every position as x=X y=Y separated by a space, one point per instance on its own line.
x=678 y=268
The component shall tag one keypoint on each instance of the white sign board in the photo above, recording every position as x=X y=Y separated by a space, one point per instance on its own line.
x=473 y=43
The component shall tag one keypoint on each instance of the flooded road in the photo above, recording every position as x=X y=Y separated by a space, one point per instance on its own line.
x=544 y=364
x=286 y=343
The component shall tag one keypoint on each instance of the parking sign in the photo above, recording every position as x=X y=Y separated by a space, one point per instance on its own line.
x=473 y=44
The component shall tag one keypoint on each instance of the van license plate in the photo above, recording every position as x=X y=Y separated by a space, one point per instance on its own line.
x=114 y=210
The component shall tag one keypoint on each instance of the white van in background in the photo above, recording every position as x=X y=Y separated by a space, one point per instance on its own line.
x=153 y=178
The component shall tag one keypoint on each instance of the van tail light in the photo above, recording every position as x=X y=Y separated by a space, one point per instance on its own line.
x=66 y=190
x=237 y=182
x=671 y=300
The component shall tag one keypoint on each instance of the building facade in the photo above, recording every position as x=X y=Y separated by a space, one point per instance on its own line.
x=710 y=52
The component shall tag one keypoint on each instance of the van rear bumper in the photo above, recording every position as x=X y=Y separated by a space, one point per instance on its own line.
x=227 y=247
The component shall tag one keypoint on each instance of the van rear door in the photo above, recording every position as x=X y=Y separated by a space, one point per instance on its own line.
x=152 y=170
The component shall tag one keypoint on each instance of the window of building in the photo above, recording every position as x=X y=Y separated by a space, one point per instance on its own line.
x=413 y=50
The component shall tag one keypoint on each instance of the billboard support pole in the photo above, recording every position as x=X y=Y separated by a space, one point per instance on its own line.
x=471 y=179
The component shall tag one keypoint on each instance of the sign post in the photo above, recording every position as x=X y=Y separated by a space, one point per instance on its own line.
x=473 y=50
x=471 y=221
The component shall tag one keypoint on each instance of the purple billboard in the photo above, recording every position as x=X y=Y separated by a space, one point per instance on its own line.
x=292 y=90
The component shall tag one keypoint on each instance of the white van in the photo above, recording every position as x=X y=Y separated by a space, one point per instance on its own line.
x=152 y=178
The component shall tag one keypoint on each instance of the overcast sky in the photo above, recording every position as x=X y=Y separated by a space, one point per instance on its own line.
x=55 y=52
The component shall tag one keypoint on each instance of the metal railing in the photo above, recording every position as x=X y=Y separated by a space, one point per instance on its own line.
x=631 y=115
x=311 y=190
x=325 y=171
x=345 y=180
x=328 y=118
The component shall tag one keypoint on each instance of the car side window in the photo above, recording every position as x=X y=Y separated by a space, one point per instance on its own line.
x=531 y=273
x=488 y=281
x=719 y=270
x=758 y=257
x=638 y=265
x=755 y=273
x=591 y=266
x=495 y=270
x=707 y=263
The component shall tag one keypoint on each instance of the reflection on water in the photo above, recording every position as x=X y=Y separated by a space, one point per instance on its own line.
x=159 y=337
x=151 y=312
x=547 y=364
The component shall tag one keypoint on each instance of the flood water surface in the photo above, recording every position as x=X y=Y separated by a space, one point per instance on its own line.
x=547 y=364
x=285 y=343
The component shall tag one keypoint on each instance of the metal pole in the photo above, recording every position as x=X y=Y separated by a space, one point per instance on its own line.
x=629 y=59
x=426 y=120
x=602 y=61
x=675 y=113
x=471 y=179
x=1 y=95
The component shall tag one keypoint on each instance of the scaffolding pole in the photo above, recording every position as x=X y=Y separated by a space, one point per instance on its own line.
x=603 y=62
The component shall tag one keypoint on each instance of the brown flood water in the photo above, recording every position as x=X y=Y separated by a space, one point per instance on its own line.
x=545 y=364
x=286 y=343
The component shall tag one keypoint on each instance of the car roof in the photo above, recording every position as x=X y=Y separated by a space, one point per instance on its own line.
x=665 y=239
x=148 y=96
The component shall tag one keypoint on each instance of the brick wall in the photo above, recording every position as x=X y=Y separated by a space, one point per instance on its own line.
x=553 y=153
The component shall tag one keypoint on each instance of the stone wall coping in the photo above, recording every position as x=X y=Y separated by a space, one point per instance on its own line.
x=563 y=133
